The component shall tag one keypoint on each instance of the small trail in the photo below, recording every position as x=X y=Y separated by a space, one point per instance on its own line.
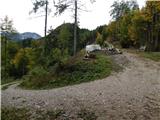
x=133 y=94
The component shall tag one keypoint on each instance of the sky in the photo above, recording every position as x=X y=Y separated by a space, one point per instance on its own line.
x=18 y=10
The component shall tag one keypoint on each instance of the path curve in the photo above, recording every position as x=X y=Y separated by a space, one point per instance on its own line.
x=133 y=94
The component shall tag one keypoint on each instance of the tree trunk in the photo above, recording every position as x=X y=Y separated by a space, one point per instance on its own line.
x=45 y=27
x=149 y=37
x=46 y=13
x=156 y=31
x=75 y=28
x=5 y=63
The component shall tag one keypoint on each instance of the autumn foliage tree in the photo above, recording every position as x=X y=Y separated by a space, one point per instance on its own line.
x=136 y=27
x=152 y=13
x=24 y=61
x=99 y=39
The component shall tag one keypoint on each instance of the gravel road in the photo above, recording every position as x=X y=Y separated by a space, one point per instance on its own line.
x=132 y=94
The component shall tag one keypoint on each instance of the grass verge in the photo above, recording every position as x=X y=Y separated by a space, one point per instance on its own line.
x=27 y=114
x=35 y=114
x=151 y=55
x=6 y=85
x=155 y=56
x=75 y=71
x=14 y=114
x=7 y=80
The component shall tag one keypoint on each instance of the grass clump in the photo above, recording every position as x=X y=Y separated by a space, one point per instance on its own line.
x=55 y=114
x=87 y=115
x=74 y=71
x=28 y=114
x=14 y=114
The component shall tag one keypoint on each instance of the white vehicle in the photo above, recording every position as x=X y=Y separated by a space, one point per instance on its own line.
x=142 y=48
x=94 y=47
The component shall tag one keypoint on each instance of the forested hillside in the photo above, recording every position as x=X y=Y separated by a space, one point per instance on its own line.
x=19 y=57
x=111 y=72
x=130 y=27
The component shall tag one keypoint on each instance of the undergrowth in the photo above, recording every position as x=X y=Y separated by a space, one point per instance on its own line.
x=74 y=71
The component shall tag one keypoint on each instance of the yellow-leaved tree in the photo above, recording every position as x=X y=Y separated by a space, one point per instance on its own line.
x=24 y=60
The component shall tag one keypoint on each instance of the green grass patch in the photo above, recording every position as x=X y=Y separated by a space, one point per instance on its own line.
x=7 y=80
x=53 y=115
x=14 y=114
x=75 y=71
x=155 y=56
x=27 y=114
x=151 y=55
x=85 y=114
x=6 y=85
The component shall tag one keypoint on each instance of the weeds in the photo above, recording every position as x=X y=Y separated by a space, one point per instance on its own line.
x=75 y=71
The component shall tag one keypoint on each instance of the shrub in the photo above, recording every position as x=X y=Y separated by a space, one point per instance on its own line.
x=37 y=78
x=74 y=71
x=125 y=43
x=83 y=71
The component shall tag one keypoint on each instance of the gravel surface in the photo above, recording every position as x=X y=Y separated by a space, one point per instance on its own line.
x=132 y=94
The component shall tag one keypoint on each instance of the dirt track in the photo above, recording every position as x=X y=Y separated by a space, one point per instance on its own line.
x=133 y=94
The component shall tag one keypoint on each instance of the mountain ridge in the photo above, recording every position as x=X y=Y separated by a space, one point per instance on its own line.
x=21 y=36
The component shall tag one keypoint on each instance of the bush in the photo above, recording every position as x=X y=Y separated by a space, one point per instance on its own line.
x=74 y=71
x=125 y=43
x=83 y=71
x=37 y=78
